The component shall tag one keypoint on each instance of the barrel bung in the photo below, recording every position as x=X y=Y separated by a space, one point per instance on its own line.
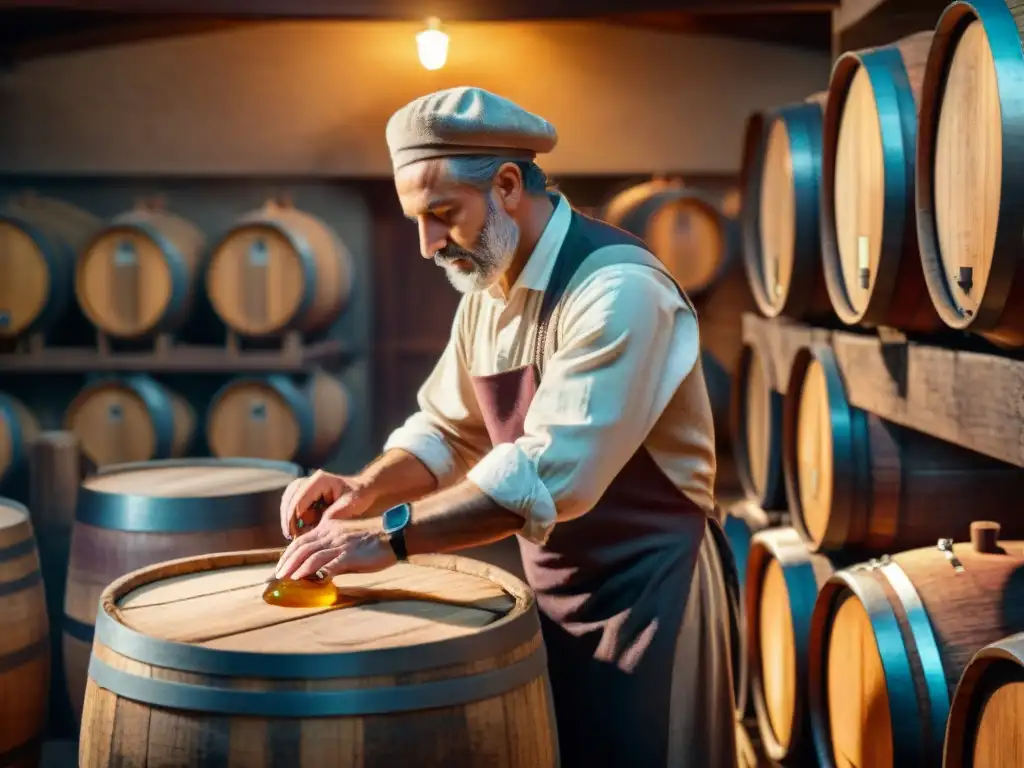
x=279 y=269
x=970 y=190
x=137 y=276
x=435 y=662
x=869 y=232
x=133 y=515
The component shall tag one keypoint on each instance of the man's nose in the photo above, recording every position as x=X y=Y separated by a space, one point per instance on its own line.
x=433 y=237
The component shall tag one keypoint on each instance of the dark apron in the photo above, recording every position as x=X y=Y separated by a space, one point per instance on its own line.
x=633 y=595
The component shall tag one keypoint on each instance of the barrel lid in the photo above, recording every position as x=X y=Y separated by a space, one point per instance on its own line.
x=206 y=614
x=193 y=478
x=11 y=513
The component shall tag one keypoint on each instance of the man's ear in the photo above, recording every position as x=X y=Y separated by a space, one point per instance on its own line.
x=508 y=183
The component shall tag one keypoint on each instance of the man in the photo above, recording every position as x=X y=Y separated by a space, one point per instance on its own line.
x=569 y=408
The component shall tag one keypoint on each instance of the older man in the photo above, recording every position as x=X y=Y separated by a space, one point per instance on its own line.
x=569 y=408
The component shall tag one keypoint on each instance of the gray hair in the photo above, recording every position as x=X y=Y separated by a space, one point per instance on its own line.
x=478 y=171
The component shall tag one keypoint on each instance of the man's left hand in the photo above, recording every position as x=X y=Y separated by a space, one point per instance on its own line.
x=335 y=547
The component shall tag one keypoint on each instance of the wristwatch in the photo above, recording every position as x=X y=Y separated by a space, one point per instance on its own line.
x=395 y=521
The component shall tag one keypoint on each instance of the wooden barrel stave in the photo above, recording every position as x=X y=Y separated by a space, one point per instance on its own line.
x=984 y=728
x=782 y=567
x=137 y=277
x=491 y=701
x=279 y=269
x=755 y=415
x=867 y=189
x=24 y=643
x=652 y=214
x=750 y=190
x=857 y=482
x=918 y=623
x=188 y=507
x=272 y=417
x=39 y=240
x=18 y=428
x=970 y=200
x=784 y=271
x=121 y=419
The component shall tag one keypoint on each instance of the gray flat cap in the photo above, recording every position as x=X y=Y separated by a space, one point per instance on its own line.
x=466 y=121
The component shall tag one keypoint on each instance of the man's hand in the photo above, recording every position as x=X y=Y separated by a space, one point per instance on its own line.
x=337 y=546
x=345 y=497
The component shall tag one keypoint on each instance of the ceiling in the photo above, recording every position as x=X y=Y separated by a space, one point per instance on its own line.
x=33 y=28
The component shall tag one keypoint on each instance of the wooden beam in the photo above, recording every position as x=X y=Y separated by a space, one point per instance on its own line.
x=867 y=23
x=414 y=9
x=971 y=399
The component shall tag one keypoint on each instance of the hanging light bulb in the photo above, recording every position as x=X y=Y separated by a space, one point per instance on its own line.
x=432 y=45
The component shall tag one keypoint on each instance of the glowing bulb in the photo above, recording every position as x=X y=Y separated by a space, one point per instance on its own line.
x=432 y=45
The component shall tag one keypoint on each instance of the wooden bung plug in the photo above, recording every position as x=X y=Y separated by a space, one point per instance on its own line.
x=985 y=536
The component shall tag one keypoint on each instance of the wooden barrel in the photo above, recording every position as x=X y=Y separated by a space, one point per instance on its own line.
x=984 y=729
x=868 y=225
x=18 y=427
x=435 y=662
x=784 y=269
x=25 y=653
x=39 y=240
x=683 y=227
x=856 y=481
x=751 y=162
x=783 y=579
x=271 y=417
x=744 y=519
x=970 y=196
x=756 y=427
x=137 y=276
x=279 y=269
x=130 y=418
x=890 y=639
x=133 y=515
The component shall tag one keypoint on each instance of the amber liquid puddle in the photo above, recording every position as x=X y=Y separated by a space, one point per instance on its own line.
x=309 y=593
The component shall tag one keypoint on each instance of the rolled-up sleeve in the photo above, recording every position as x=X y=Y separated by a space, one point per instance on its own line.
x=447 y=433
x=627 y=340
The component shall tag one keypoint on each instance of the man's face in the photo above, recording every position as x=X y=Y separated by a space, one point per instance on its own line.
x=468 y=233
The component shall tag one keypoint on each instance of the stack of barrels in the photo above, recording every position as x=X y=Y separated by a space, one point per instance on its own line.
x=891 y=199
x=882 y=610
x=277 y=270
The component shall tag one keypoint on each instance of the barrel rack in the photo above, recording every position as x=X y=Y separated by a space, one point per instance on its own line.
x=170 y=356
x=863 y=23
x=971 y=399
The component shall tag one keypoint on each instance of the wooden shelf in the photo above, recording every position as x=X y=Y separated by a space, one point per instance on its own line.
x=971 y=399
x=867 y=23
x=168 y=356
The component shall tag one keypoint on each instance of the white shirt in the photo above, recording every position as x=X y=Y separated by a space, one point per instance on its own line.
x=625 y=375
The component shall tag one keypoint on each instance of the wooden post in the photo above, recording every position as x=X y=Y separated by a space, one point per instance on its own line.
x=55 y=472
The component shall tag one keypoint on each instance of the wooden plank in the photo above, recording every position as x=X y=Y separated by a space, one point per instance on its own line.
x=971 y=399
x=866 y=23
x=780 y=339
x=478 y=10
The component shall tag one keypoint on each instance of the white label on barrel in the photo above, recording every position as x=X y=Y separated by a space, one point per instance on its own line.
x=258 y=253
x=863 y=258
x=125 y=255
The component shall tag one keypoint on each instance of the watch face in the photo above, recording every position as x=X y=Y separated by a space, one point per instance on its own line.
x=396 y=518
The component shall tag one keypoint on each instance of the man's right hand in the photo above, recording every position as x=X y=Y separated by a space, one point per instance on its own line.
x=345 y=497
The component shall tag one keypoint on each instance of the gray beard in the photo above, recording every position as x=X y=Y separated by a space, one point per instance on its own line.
x=490 y=258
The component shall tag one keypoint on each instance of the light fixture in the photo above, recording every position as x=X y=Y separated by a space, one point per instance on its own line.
x=432 y=45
